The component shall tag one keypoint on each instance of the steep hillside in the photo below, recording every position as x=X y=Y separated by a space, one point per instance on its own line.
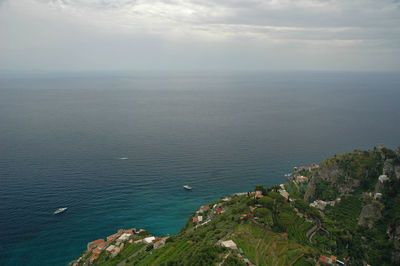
x=344 y=211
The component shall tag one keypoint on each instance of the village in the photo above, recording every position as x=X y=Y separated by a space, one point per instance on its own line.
x=115 y=243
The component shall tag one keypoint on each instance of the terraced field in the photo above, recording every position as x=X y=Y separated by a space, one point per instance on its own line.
x=264 y=247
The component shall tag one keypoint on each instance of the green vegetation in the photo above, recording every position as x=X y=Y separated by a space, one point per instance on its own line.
x=272 y=230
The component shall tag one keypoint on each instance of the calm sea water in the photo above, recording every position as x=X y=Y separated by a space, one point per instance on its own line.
x=62 y=137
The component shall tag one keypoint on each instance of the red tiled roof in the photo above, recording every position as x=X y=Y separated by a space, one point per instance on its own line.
x=206 y=207
x=96 y=251
x=132 y=230
x=323 y=259
x=96 y=242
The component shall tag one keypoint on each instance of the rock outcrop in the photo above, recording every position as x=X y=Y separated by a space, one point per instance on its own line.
x=370 y=213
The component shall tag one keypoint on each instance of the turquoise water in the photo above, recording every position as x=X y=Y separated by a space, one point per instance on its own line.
x=62 y=137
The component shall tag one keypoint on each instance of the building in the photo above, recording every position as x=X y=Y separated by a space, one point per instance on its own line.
x=114 y=236
x=94 y=244
x=159 y=244
x=115 y=251
x=110 y=248
x=301 y=179
x=195 y=219
x=200 y=218
x=383 y=178
x=229 y=244
x=324 y=259
x=378 y=196
x=93 y=258
x=131 y=231
x=204 y=208
x=124 y=237
x=149 y=239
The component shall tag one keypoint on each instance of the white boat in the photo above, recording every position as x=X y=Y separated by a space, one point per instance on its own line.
x=187 y=187
x=60 y=210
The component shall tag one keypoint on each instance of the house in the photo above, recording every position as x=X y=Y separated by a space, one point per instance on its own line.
x=301 y=179
x=326 y=260
x=259 y=194
x=124 y=237
x=142 y=230
x=93 y=258
x=110 y=248
x=94 y=244
x=97 y=251
x=149 y=239
x=131 y=231
x=101 y=246
x=284 y=194
x=159 y=244
x=383 y=178
x=226 y=199
x=219 y=210
x=204 y=208
x=115 y=251
x=229 y=244
x=200 y=218
x=114 y=236
x=314 y=165
x=195 y=219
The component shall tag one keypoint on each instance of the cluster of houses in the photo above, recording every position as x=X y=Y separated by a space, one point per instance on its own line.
x=115 y=243
x=201 y=216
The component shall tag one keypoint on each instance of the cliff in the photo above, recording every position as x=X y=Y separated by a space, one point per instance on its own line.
x=344 y=211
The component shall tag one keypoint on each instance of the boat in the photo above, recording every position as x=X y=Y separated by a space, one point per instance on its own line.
x=187 y=187
x=60 y=210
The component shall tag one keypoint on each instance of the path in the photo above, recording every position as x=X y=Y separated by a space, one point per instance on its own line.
x=313 y=230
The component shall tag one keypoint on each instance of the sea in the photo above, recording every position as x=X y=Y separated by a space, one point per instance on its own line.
x=116 y=148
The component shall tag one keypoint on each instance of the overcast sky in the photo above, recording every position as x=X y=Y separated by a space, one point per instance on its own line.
x=80 y=35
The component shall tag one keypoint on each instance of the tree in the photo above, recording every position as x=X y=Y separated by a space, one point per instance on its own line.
x=260 y=187
x=266 y=202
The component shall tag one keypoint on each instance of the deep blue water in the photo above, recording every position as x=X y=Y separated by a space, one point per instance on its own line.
x=61 y=137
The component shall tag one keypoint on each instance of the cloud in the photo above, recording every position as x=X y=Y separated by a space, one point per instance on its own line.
x=177 y=29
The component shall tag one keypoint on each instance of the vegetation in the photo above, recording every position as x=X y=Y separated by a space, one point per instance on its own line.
x=272 y=230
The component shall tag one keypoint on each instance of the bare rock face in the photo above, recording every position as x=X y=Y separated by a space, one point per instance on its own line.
x=370 y=214
x=329 y=173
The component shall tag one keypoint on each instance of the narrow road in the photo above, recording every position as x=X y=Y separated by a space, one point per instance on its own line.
x=313 y=230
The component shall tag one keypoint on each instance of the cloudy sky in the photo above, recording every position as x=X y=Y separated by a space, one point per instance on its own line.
x=80 y=35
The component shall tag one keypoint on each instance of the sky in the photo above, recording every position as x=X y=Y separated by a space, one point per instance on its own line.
x=270 y=35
